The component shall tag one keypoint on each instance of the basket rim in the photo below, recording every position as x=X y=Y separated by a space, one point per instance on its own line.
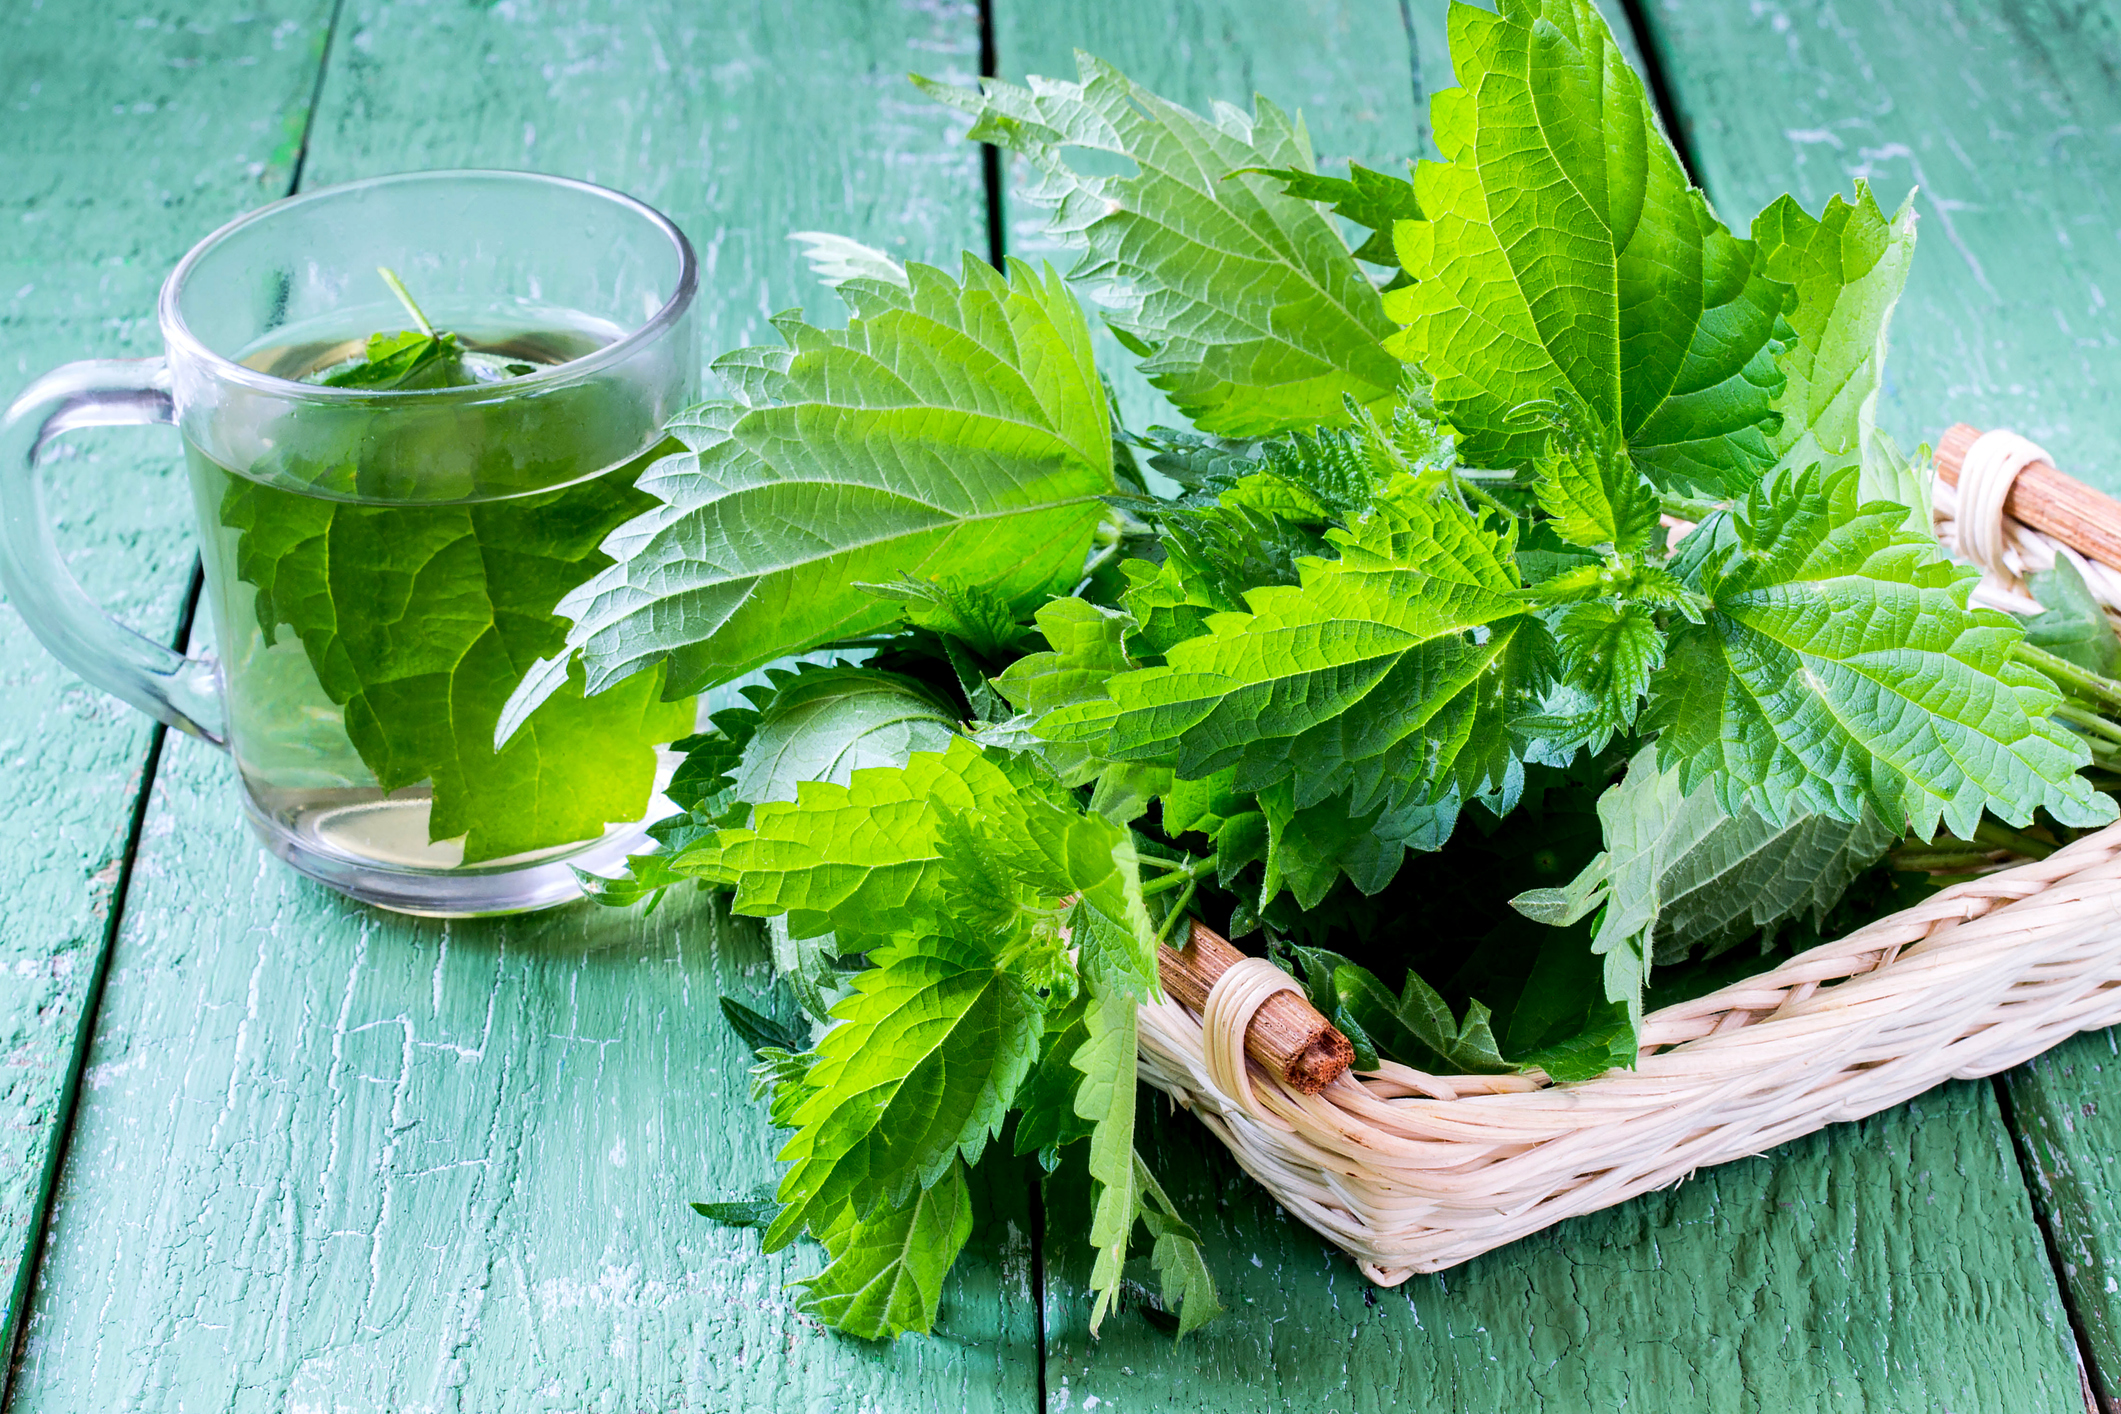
x=1412 y=1172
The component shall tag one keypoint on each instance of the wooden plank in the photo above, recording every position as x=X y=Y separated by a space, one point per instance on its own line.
x=740 y=124
x=1843 y=1267
x=128 y=136
x=1887 y=1266
x=331 y=1158
x=2067 y=1106
x=2006 y=114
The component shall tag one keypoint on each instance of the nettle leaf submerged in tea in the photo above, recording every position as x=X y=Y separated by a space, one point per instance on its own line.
x=1588 y=586
x=420 y=619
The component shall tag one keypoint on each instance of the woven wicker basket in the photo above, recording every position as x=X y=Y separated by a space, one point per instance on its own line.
x=1414 y=1173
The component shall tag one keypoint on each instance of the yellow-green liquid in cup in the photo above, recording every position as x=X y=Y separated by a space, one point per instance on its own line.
x=381 y=578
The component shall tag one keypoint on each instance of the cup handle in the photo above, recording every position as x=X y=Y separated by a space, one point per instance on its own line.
x=183 y=692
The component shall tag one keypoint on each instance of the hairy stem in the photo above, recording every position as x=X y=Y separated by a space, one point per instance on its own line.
x=1181 y=877
x=1693 y=508
x=1997 y=835
x=1480 y=493
x=2068 y=675
x=1178 y=911
x=2088 y=721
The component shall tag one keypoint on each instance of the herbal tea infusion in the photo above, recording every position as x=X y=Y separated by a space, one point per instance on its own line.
x=368 y=644
x=396 y=481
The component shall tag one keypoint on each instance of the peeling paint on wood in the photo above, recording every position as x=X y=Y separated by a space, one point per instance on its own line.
x=1890 y=1265
x=328 y=1158
x=126 y=136
x=331 y=1159
x=2067 y=1105
x=2006 y=114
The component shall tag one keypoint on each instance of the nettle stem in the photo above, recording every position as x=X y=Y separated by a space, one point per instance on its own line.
x=1104 y=555
x=1182 y=876
x=2089 y=721
x=397 y=287
x=1997 y=835
x=1464 y=484
x=1178 y=911
x=2082 y=680
x=1692 y=508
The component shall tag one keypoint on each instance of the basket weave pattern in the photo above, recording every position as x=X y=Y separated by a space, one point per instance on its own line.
x=1414 y=1173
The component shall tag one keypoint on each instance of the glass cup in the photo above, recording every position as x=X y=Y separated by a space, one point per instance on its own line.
x=382 y=566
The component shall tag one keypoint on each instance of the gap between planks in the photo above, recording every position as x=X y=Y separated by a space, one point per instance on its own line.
x=13 y=1339
x=2098 y=1399
x=85 y=1024
x=998 y=256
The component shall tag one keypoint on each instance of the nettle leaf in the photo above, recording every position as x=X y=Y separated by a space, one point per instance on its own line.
x=1608 y=1042
x=1889 y=474
x=1682 y=875
x=1372 y=200
x=1417 y=1027
x=812 y=967
x=761 y=1032
x=1087 y=645
x=849 y=855
x=1563 y=248
x=420 y=620
x=1391 y=674
x=870 y=859
x=1609 y=654
x=814 y=723
x=755 y=1211
x=2075 y=627
x=1168 y=606
x=919 y=1070
x=1308 y=847
x=835 y=259
x=1594 y=495
x=1848 y=267
x=1237 y=831
x=1839 y=668
x=1105 y=1097
x=1244 y=302
x=826 y=723
x=952 y=428
x=407 y=361
x=1337 y=474
x=972 y=614
x=1175 y=1252
x=1048 y=1122
x=885 y=1273
x=701 y=784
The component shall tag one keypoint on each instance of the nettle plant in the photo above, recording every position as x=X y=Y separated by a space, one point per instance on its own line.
x=1529 y=626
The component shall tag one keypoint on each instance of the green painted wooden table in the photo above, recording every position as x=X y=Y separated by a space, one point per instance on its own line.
x=261 y=1149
